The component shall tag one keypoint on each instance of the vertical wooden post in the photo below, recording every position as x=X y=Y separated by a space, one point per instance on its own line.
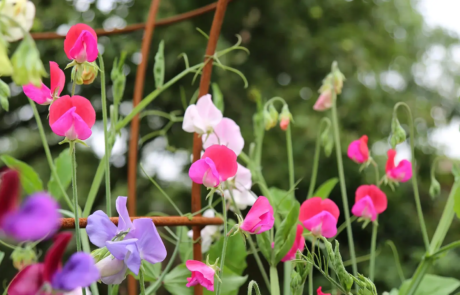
x=197 y=144
x=133 y=142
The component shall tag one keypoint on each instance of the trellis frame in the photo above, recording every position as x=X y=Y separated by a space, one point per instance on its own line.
x=197 y=222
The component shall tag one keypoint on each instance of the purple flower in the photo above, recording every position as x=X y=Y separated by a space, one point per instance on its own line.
x=79 y=271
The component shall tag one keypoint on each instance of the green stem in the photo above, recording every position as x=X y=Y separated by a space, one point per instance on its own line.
x=108 y=199
x=73 y=88
x=310 y=275
x=314 y=171
x=48 y=155
x=414 y=174
x=446 y=248
x=397 y=262
x=115 y=289
x=141 y=280
x=418 y=275
x=288 y=264
x=373 y=245
x=274 y=281
x=94 y=187
x=87 y=249
x=343 y=188
x=376 y=172
x=75 y=194
x=224 y=247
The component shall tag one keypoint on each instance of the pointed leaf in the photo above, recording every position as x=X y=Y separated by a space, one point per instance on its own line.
x=433 y=285
x=63 y=166
x=231 y=283
x=30 y=180
x=176 y=280
x=285 y=235
x=326 y=188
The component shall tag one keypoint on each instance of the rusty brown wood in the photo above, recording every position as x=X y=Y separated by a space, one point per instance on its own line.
x=69 y=223
x=197 y=144
x=134 y=139
x=136 y=27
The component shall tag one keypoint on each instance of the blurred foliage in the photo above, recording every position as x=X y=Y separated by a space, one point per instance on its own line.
x=383 y=47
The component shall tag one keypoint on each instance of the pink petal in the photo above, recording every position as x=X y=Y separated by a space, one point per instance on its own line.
x=224 y=159
x=324 y=224
x=358 y=150
x=324 y=101
x=316 y=205
x=64 y=123
x=227 y=133
x=192 y=121
x=260 y=217
x=73 y=34
x=41 y=95
x=379 y=199
x=204 y=172
x=364 y=208
x=28 y=281
x=391 y=160
x=72 y=126
x=57 y=79
x=243 y=178
x=299 y=244
x=210 y=114
x=84 y=48
x=82 y=130
x=201 y=274
x=319 y=292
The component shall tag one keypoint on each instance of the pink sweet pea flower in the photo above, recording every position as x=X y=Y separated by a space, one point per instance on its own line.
x=324 y=101
x=402 y=172
x=203 y=117
x=260 y=217
x=227 y=133
x=202 y=274
x=217 y=164
x=369 y=202
x=299 y=244
x=358 y=150
x=80 y=43
x=72 y=117
x=44 y=95
x=319 y=292
x=320 y=216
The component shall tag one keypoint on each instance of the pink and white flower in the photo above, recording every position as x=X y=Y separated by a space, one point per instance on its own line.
x=44 y=95
x=227 y=133
x=203 y=117
x=260 y=217
x=239 y=187
x=202 y=274
x=80 y=44
x=399 y=173
x=358 y=150
x=369 y=202
x=320 y=216
x=324 y=101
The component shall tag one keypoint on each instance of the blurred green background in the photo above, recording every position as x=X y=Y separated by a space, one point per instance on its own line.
x=384 y=47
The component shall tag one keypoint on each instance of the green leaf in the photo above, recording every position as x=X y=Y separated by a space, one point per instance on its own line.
x=159 y=66
x=63 y=164
x=457 y=202
x=282 y=200
x=235 y=257
x=433 y=285
x=325 y=189
x=263 y=241
x=217 y=97
x=30 y=180
x=231 y=283
x=176 y=280
x=186 y=246
x=285 y=235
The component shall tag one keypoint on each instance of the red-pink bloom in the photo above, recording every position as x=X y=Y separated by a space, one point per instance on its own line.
x=260 y=217
x=44 y=95
x=402 y=172
x=320 y=216
x=358 y=150
x=202 y=274
x=217 y=164
x=80 y=43
x=72 y=117
x=9 y=193
x=319 y=292
x=299 y=244
x=369 y=202
x=324 y=101
x=284 y=123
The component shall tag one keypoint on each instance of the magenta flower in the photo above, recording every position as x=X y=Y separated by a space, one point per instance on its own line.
x=36 y=218
x=324 y=101
x=299 y=244
x=369 y=202
x=79 y=271
x=44 y=95
x=400 y=173
x=80 y=43
x=217 y=164
x=260 y=217
x=320 y=292
x=320 y=216
x=203 y=117
x=202 y=274
x=72 y=117
x=227 y=133
x=358 y=150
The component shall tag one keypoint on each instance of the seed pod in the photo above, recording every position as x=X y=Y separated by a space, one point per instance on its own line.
x=159 y=66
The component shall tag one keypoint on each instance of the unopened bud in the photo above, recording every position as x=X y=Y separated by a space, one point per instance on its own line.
x=435 y=188
x=296 y=282
x=84 y=73
x=327 y=142
x=100 y=254
x=337 y=78
x=268 y=120
x=23 y=257
x=346 y=280
x=285 y=117
x=27 y=65
x=398 y=135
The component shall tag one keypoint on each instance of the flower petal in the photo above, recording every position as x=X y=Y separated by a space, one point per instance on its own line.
x=73 y=36
x=379 y=199
x=198 y=170
x=227 y=133
x=100 y=228
x=64 y=123
x=112 y=270
x=316 y=205
x=209 y=113
x=201 y=274
x=149 y=243
x=57 y=79
x=124 y=222
x=41 y=95
x=54 y=255
x=259 y=218
x=9 y=192
x=299 y=244
x=81 y=129
x=192 y=121
x=324 y=101
x=84 y=109
x=118 y=248
x=28 y=281
x=79 y=271
x=224 y=159
x=324 y=224
x=364 y=208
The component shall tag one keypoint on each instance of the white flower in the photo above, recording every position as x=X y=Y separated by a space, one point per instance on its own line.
x=202 y=117
x=23 y=12
x=78 y=291
x=240 y=186
x=208 y=233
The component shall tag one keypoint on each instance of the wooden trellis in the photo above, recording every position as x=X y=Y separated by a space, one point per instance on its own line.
x=198 y=221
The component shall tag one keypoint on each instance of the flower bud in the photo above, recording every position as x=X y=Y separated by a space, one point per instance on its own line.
x=100 y=254
x=27 y=66
x=398 y=135
x=273 y=113
x=6 y=69
x=23 y=257
x=435 y=188
x=285 y=117
x=84 y=73
x=327 y=142
x=345 y=279
x=118 y=79
x=296 y=282
x=337 y=78
x=269 y=120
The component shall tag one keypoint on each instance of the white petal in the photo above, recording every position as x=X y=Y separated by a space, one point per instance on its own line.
x=209 y=113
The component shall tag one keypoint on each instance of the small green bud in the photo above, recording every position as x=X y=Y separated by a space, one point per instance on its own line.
x=268 y=120
x=345 y=278
x=23 y=257
x=337 y=78
x=285 y=117
x=435 y=188
x=255 y=95
x=100 y=254
x=296 y=282
x=27 y=65
x=273 y=112
x=398 y=135
x=84 y=73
